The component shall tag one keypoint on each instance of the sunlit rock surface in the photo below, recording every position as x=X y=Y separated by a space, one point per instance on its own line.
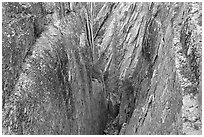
x=102 y=68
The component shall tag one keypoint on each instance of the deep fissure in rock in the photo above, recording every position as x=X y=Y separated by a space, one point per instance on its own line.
x=101 y=68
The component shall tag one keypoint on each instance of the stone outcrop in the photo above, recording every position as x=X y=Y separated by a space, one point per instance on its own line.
x=102 y=68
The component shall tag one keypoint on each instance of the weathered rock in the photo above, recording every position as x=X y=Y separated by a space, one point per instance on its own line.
x=21 y=25
x=188 y=63
x=55 y=93
x=132 y=67
x=140 y=38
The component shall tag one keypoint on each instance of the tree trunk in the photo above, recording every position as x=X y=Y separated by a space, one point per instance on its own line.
x=102 y=68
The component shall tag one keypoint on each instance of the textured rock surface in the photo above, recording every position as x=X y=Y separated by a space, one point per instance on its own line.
x=54 y=93
x=102 y=68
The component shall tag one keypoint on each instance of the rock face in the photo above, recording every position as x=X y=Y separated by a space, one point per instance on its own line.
x=102 y=68
x=54 y=93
